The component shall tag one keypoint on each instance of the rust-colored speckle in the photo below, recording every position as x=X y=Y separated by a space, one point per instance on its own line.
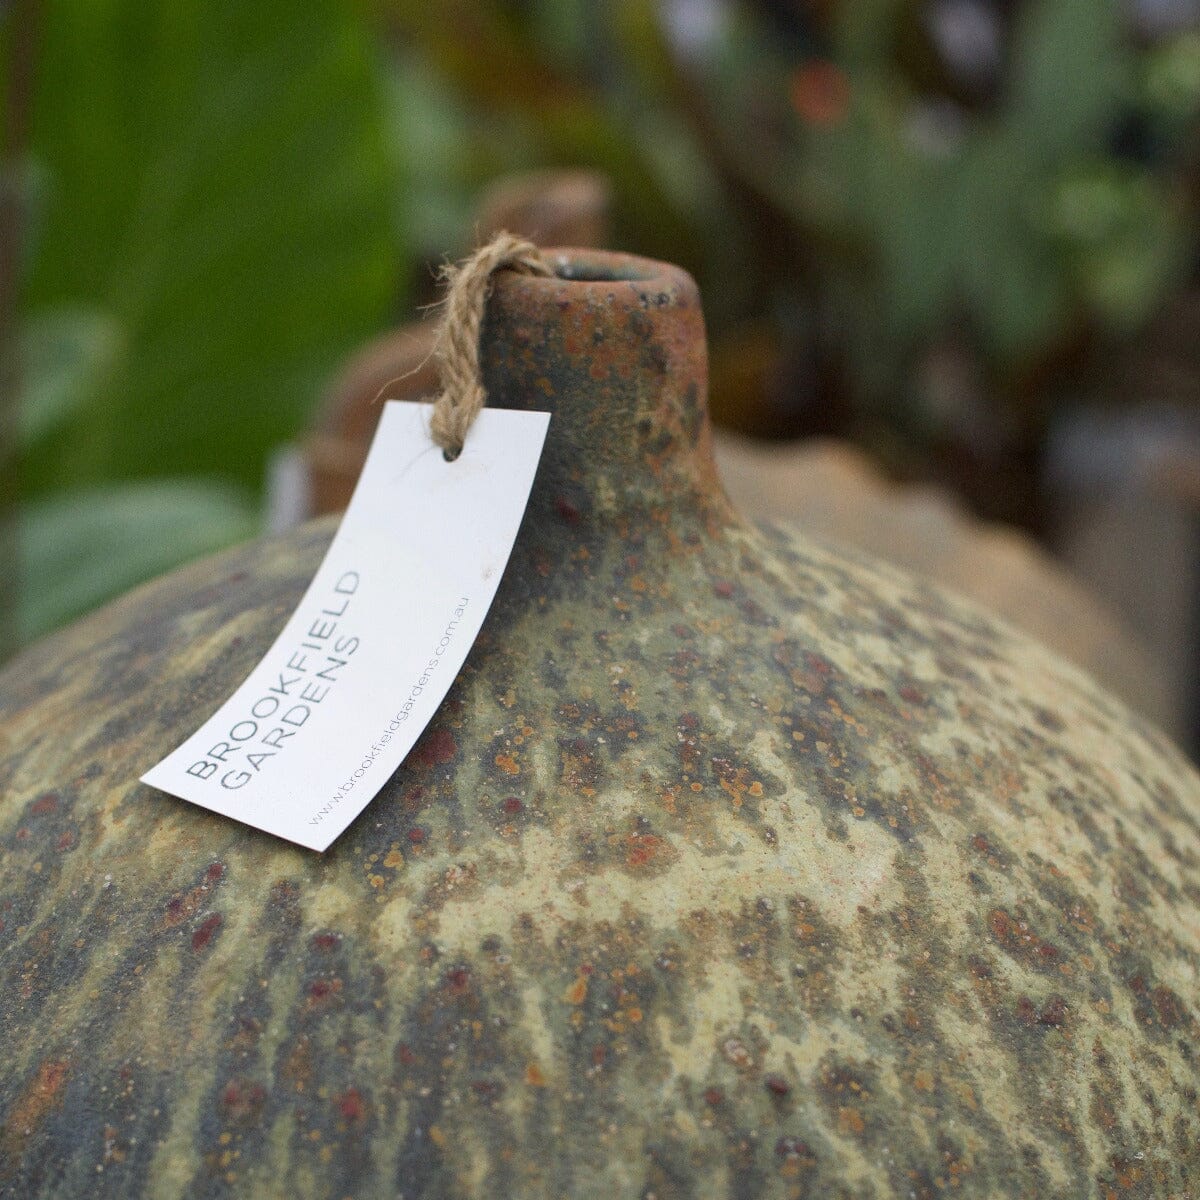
x=34 y=1104
x=436 y=748
x=243 y=1100
x=321 y=990
x=566 y=510
x=350 y=1105
x=1053 y=1013
x=512 y=806
x=777 y=1085
x=850 y=1120
x=1168 y=1007
x=576 y=993
x=793 y=1147
x=1019 y=939
x=643 y=848
x=206 y=931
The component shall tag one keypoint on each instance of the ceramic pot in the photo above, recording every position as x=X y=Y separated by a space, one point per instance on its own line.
x=731 y=866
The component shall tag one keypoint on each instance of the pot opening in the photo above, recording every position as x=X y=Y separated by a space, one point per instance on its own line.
x=580 y=270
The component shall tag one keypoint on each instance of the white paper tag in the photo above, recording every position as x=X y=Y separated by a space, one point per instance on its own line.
x=300 y=749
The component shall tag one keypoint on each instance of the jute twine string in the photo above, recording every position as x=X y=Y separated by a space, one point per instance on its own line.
x=457 y=351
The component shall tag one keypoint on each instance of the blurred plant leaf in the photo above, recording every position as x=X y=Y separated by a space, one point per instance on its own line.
x=78 y=548
x=219 y=181
x=1123 y=237
x=865 y=31
x=1069 y=74
x=565 y=117
x=24 y=181
x=65 y=355
x=434 y=125
x=1007 y=268
x=944 y=204
x=1171 y=77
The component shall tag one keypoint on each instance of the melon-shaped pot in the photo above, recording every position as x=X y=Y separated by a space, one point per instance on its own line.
x=732 y=866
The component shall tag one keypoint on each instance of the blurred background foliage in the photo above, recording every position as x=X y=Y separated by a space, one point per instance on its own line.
x=208 y=223
x=921 y=224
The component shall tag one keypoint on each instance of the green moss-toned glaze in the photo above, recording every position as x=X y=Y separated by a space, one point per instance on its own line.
x=733 y=866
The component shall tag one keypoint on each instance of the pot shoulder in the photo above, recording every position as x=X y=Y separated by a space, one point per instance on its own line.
x=730 y=861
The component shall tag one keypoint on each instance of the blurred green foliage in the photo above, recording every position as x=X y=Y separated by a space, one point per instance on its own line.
x=216 y=210
x=214 y=227
x=861 y=214
x=492 y=86
x=1015 y=221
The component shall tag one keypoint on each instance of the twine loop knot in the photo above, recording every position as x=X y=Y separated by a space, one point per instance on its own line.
x=468 y=285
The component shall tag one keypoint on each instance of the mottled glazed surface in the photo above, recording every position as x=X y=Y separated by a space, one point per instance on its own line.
x=732 y=867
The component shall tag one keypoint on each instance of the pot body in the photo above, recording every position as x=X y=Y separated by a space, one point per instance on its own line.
x=732 y=866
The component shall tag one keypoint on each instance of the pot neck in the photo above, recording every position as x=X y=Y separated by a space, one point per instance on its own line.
x=613 y=347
